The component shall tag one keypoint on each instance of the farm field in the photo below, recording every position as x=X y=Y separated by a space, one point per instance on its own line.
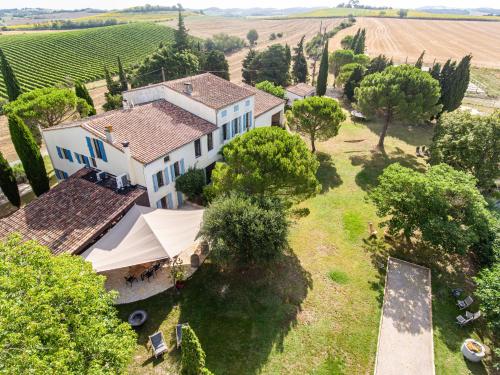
x=344 y=12
x=401 y=39
x=80 y=54
x=293 y=30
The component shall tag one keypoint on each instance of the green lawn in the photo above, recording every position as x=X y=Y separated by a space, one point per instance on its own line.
x=317 y=310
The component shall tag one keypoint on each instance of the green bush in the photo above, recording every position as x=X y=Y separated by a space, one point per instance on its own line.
x=19 y=173
x=193 y=356
x=488 y=292
x=271 y=88
x=191 y=184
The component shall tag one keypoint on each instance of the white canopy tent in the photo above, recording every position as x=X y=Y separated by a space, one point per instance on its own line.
x=145 y=235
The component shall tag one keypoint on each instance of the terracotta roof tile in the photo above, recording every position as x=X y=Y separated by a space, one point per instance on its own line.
x=263 y=100
x=301 y=89
x=71 y=215
x=213 y=91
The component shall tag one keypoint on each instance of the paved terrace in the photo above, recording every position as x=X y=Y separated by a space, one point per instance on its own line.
x=405 y=343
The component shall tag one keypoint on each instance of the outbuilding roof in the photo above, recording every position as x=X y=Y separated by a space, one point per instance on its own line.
x=73 y=214
x=301 y=89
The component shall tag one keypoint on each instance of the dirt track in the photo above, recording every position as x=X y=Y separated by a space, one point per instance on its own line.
x=403 y=39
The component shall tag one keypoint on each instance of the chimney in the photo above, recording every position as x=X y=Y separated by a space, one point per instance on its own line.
x=130 y=167
x=109 y=133
x=188 y=88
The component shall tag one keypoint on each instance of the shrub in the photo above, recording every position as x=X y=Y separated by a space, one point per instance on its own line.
x=272 y=36
x=112 y=102
x=224 y=43
x=271 y=88
x=193 y=356
x=191 y=184
x=245 y=230
x=488 y=292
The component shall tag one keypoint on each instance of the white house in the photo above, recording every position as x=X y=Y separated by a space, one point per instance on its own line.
x=299 y=91
x=163 y=130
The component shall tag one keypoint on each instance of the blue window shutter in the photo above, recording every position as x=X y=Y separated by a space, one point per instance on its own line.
x=182 y=166
x=89 y=145
x=59 y=152
x=56 y=171
x=103 y=151
x=68 y=155
x=251 y=119
x=77 y=156
x=172 y=172
x=165 y=174
x=170 y=201
x=158 y=204
x=86 y=161
x=221 y=135
x=179 y=199
x=155 y=182
x=65 y=175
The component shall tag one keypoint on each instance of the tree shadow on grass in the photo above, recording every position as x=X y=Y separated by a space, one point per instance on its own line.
x=448 y=271
x=327 y=172
x=416 y=135
x=240 y=316
x=373 y=165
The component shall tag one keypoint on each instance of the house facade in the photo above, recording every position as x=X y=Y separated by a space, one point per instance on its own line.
x=162 y=131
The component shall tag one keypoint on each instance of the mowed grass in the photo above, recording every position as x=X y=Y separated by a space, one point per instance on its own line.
x=488 y=79
x=317 y=310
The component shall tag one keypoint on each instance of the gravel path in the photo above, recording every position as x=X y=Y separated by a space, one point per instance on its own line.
x=405 y=343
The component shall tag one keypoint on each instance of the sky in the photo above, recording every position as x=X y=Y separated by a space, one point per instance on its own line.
x=198 y=4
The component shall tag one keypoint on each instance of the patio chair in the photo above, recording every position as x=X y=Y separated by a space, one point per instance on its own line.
x=130 y=279
x=156 y=267
x=465 y=303
x=472 y=316
x=158 y=345
x=461 y=321
x=147 y=274
x=417 y=151
x=178 y=333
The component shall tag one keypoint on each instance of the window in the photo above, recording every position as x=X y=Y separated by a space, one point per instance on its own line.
x=236 y=108
x=197 y=148
x=61 y=175
x=224 y=132
x=177 y=172
x=163 y=202
x=166 y=158
x=64 y=153
x=224 y=113
x=94 y=164
x=159 y=178
x=236 y=125
x=96 y=148
x=247 y=120
x=210 y=141
x=247 y=103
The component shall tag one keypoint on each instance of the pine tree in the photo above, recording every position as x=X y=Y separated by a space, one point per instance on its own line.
x=352 y=82
x=460 y=83
x=378 y=64
x=323 y=72
x=248 y=73
x=29 y=153
x=420 y=60
x=8 y=182
x=11 y=83
x=359 y=47
x=122 y=76
x=216 y=63
x=82 y=92
x=181 y=35
x=299 y=70
x=193 y=356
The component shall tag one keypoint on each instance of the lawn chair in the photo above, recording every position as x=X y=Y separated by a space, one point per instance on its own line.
x=461 y=321
x=471 y=316
x=465 y=303
x=178 y=333
x=158 y=344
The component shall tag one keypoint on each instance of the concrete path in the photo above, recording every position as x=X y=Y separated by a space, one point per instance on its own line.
x=405 y=343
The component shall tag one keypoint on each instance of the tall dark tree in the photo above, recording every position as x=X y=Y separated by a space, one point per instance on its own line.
x=248 y=70
x=354 y=40
x=288 y=56
x=420 y=60
x=29 y=153
x=111 y=84
x=272 y=65
x=378 y=64
x=299 y=69
x=323 y=72
x=352 y=82
x=8 y=182
x=82 y=92
x=360 y=46
x=435 y=71
x=122 y=76
x=181 y=35
x=215 y=62
x=446 y=83
x=460 y=83
x=11 y=84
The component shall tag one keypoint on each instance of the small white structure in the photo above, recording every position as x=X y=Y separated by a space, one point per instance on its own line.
x=163 y=130
x=299 y=91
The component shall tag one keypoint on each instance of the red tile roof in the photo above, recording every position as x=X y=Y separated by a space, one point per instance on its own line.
x=301 y=89
x=153 y=129
x=71 y=215
x=213 y=91
x=263 y=101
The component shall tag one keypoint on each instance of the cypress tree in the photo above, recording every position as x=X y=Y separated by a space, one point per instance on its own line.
x=354 y=40
x=420 y=60
x=193 y=356
x=359 y=47
x=435 y=71
x=122 y=76
x=446 y=83
x=113 y=87
x=8 y=182
x=30 y=156
x=378 y=64
x=460 y=83
x=299 y=70
x=323 y=72
x=288 y=53
x=352 y=82
x=247 y=71
x=181 y=36
x=82 y=92
x=11 y=83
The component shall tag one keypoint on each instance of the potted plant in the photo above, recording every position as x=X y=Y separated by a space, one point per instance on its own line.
x=473 y=350
x=177 y=273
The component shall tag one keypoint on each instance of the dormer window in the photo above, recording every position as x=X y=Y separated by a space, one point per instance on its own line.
x=236 y=108
x=223 y=113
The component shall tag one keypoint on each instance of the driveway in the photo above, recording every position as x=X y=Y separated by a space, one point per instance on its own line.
x=405 y=343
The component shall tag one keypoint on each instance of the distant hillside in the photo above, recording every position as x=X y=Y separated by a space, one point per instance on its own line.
x=462 y=11
x=255 y=12
x=45 y=59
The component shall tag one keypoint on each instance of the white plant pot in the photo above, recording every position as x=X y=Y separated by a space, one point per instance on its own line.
x=470 y=355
